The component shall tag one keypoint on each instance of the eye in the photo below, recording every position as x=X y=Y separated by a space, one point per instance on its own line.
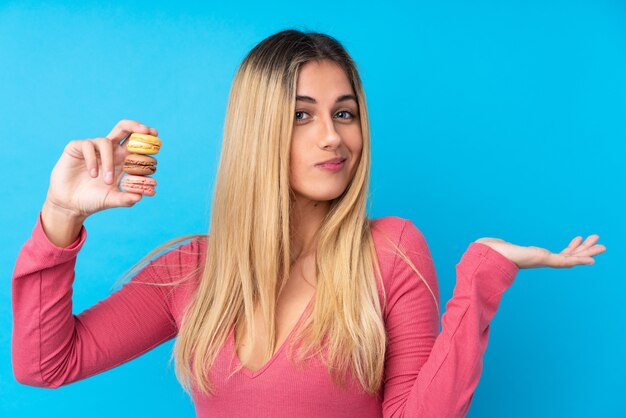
x=297 y=115
x=346 y=112
x=347 y=115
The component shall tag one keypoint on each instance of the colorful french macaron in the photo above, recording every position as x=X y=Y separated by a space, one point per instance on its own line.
x=143 y=143
x=139 y=164
x=139 y=184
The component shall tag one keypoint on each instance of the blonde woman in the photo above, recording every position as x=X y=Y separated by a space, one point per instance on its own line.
x=295 y=303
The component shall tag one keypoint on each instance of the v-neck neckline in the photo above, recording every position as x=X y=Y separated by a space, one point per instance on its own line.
x=277 y=353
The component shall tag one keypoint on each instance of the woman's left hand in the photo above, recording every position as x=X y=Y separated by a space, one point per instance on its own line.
x=577 y=252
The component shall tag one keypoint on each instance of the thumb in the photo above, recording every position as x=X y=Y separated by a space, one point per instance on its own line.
x=118 y=198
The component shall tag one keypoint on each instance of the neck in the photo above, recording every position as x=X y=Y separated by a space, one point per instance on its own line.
x=306 y=218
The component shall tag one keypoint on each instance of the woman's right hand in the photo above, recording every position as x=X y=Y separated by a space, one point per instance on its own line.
x=86 y=178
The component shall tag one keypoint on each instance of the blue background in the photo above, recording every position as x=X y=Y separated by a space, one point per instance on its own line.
x=489 y=119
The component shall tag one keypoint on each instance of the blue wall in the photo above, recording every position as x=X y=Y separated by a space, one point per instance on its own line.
x=489 y=119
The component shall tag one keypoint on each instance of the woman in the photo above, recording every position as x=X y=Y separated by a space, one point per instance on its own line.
x=296 y=303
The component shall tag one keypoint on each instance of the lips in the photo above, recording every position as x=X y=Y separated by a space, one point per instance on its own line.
x=333 y=161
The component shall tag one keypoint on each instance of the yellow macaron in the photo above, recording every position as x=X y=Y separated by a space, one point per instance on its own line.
x=143 y=144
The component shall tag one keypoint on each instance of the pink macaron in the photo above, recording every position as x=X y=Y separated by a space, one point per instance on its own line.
x=139 y=184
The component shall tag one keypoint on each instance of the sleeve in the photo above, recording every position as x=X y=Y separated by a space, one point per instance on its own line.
x=429 y=373
x=51 y=346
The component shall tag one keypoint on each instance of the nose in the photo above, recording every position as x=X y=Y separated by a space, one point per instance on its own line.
x=330 y=138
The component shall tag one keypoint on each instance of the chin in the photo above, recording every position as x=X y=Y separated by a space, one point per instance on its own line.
x=322 y=197
x=327 y=198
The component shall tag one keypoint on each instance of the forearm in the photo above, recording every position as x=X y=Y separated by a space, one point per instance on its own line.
x=441 y=381
x=447 y=381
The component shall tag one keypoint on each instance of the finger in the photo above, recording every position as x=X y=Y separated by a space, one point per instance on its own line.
x=567 y=261
x=589 y=242
x=595 y=250
x=599 y=248
x=591 y=239
x=118 y=198
x=124 y=128
x=576 y=261
x=105 y=149
x=572 y=245
x=89 y=154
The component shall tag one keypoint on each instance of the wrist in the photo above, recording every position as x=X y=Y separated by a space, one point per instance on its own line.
x=61 y=213
x=60 y=225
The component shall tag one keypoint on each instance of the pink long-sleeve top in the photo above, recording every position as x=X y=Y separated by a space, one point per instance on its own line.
x=431 y=369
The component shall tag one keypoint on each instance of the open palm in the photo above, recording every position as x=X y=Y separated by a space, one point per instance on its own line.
x=577 y=252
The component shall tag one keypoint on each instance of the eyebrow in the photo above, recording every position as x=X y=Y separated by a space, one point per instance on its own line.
x=339 y=99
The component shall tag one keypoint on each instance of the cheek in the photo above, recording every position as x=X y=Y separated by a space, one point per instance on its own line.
x=295 y=163
x=293 y=156
x=356 y=149
x=356 y=154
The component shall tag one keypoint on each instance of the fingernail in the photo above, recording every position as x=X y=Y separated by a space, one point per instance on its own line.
x=94 y=172
x=108 y=177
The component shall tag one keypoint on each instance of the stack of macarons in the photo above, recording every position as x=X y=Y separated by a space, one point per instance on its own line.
x=138 y=165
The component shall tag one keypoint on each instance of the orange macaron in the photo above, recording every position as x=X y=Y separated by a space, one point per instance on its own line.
x=143 y=143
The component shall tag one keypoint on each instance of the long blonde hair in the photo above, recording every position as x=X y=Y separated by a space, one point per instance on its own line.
x=247 y=262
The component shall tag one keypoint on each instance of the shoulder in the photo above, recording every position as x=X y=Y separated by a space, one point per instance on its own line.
x=179 y=258
x=404 y=258
x=188 y=248
x=388 y=223
x=390 y=230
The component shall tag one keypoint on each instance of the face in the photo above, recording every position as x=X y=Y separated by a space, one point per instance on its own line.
x=326 y=126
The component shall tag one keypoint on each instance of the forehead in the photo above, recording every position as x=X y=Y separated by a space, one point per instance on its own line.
x=322 y=77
